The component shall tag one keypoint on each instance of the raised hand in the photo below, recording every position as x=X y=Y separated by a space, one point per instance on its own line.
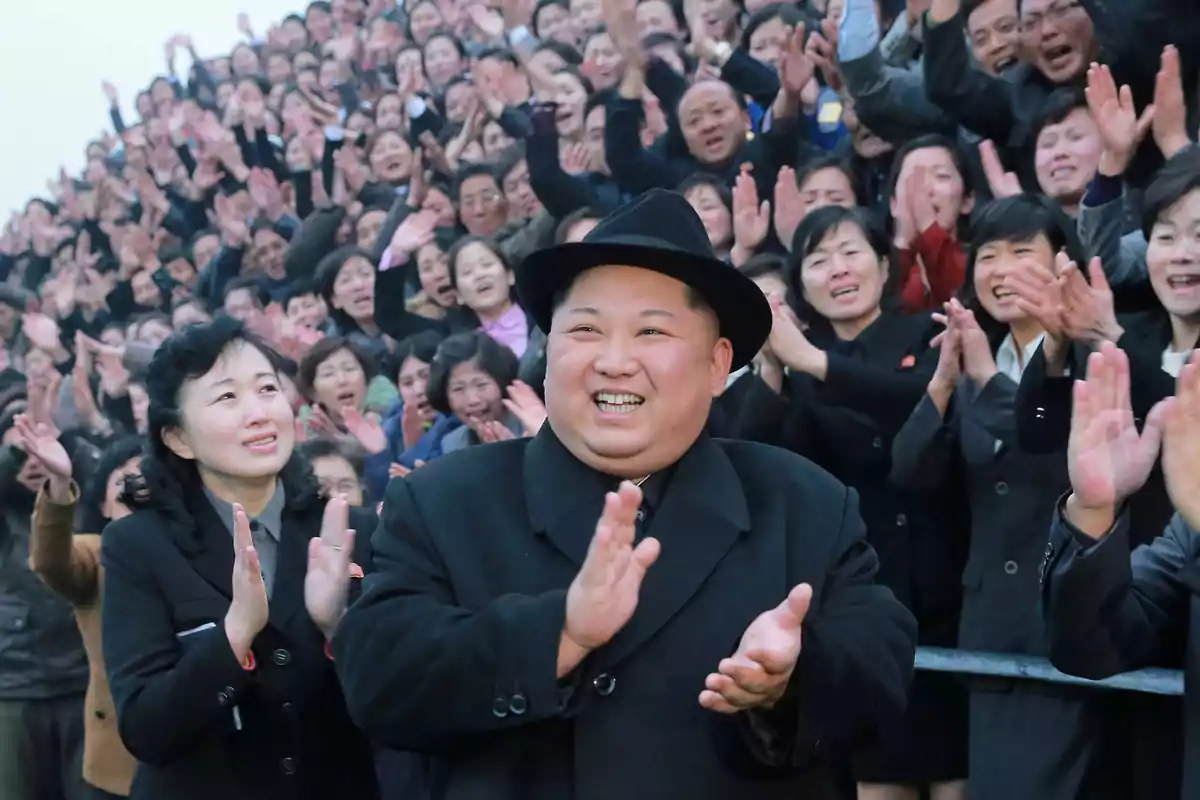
x=524 y=404
x=604 y=595
x=41 y=443
x=1121 y=130
x=248 y=611
x=1181 y=444
x=788 y=206
x=366 y=429
x=757 y=675
x=330 y=555
x=575 y=158
x=1170 y=109
x=1088 y=313
x=949 y=365
x=796 y=68
x=1107 y=458
x=978 y=361
x=1002 y=183
x=411 y=235
x=788 y=342
x=751 y=219
x=492 y=431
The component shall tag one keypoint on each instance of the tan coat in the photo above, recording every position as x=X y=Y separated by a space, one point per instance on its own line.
x=70 y=565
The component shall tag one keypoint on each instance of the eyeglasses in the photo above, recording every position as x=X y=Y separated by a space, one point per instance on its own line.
x=1055 y=13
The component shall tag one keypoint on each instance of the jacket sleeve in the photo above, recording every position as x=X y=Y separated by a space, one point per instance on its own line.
x=886 y=395
x=1101 y=224
x=852 y=678
x=315 y=238
x=170 y=696
x=1043 y=405
x=419 y=671
x=1107 y=611
x=634 y=168
x=892 y=101
x=982 y=103
x=923 y=450
x=56 y=557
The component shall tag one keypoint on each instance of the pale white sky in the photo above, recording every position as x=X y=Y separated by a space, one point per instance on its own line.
x=54 y=56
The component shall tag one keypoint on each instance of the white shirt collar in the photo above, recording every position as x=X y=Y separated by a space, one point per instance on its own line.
x=1007 y=360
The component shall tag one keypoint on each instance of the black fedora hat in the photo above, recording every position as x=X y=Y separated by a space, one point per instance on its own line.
x=658 y=231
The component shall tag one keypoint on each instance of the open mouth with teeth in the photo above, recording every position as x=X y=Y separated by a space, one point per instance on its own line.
x=1005 y=63
x=1057 y=53
x=347 y=398
x=1183 y=281
x=617 y=402
x=1063 y=173
x=844 y=293
x=262 y=444
x=1003 y=294
x=714 y=142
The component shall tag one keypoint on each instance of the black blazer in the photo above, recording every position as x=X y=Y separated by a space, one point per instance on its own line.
x=452 y=648
x=199 y=725
x=846 y=424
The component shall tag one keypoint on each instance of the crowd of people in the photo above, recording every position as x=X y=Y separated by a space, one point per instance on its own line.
x=975 y=225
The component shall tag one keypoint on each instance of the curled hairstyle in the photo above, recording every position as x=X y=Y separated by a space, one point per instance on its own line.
x=493 y=358
x=168 y=480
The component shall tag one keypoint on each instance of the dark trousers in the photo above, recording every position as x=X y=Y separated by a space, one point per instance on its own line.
x=41 y=749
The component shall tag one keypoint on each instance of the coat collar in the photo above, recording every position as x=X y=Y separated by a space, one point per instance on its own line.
x=208 y=545
x=700 y=516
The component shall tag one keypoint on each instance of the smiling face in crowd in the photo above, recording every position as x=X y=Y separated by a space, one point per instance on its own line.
x=995 y=34
x=996 y=262
x=1173 y=258
x=633 y=362
x=484 y=285
x=571 y=99
x=235 y=422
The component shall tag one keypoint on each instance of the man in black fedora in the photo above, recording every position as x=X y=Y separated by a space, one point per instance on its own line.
x=622 y=607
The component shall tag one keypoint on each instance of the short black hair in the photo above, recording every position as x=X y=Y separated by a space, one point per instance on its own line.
x=422 y=346
x=537 y=10
x=929 y=141
x=323 y=447
x=567 y=53
x=497 y=54
x=258 y=293
x=473 y=171
x=1058 y=106
x=787 y=13
x=765 y=264
x=169 y=483
x=470 y=239
x=829 y=161
x=492 y=357
x=301 y=287
x=1179 y=177
x=572 y=219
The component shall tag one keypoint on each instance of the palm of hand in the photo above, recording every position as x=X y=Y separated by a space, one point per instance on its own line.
x=769 y=635
x=1105 y=459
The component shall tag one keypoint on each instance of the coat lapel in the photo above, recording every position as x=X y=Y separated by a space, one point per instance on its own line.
x=209 y=547
x=702 y=513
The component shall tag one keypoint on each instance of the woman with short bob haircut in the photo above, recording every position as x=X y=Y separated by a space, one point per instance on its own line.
x=224 y=586
x=468 y=379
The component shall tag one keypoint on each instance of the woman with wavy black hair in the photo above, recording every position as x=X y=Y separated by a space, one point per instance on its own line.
x=223 y=587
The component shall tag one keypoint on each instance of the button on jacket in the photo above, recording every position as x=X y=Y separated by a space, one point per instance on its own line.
x=200 y=725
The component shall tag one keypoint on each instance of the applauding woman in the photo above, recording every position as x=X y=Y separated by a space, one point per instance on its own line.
x=223 y=587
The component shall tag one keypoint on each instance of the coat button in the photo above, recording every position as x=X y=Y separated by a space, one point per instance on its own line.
x=901 y=520
x=281 y=657
x=877 y=443
x=288 y=707
x=1010 y=567
x=517 y=704
x=1049 y=550
x=604 y=684
x=500 y=707
x=641 y=515
x=288 y=765
x=1001 y=487
x=225 y=696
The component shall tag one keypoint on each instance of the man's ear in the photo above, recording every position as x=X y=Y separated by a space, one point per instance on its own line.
x=177 y=443
x=722 y=360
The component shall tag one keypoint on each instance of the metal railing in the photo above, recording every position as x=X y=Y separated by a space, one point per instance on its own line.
x=1004 y=665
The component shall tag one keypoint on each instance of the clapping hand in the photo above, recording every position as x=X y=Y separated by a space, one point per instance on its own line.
x=330 y=555
x=1181 y=444
x=757 y=675
x=1121 y=130
x=248 y=611
x=1107 y=458
x=751 y=219
x=366 y=429
x=41 y=443
x=978 y=361
x=1002 y=183
x=524 y=404
x=604 y=594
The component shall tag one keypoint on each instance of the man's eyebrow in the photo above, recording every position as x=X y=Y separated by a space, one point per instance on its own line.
x=649 y=312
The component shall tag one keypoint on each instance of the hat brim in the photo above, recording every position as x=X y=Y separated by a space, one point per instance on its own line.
x=743 y=313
